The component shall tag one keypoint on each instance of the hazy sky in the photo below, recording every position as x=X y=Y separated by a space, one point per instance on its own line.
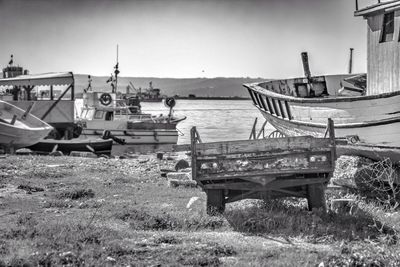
x=197 y=38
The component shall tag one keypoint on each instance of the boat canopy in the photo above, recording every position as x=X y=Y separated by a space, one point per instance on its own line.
x=53 y=78
x=386 y=6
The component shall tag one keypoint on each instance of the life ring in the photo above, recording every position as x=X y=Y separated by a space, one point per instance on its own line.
x=105 y=99
x=170 y=102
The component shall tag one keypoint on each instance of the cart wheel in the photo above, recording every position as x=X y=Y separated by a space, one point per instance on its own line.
x=215 y=202
x=316 y=196
x=276 y=134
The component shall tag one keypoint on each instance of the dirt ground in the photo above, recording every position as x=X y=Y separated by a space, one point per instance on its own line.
x=120 y=212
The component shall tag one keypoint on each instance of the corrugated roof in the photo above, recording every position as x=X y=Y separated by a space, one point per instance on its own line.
x=380 y=7
x=53 y=78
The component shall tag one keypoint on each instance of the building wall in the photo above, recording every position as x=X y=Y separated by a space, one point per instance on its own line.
x=383 y=58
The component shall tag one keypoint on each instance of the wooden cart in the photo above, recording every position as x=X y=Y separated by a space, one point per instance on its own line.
x=263 y=169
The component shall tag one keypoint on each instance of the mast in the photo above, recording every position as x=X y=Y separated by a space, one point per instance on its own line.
x=351 y=61
x=116 y=72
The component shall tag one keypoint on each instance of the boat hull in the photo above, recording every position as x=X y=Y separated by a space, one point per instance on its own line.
x=133 y=137
x=374 y=119
x=26 y=129
x=97 y=146
x=384 y=134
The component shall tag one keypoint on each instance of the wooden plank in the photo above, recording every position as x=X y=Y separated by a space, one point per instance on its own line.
x=277 y=184
x=274 y=144
x=181 y=148
x=263 y=154
x=13 y=120
x=238 y=166
x=240 y=196
x=27 y=111
x=230 y=176
x=375 y=153
x=291 y=193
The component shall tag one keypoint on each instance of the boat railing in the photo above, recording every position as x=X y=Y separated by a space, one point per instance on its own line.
x=361 y=4
x=275 y=107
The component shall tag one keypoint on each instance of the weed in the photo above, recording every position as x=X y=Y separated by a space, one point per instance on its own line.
x=77 y=194
x=141 y=219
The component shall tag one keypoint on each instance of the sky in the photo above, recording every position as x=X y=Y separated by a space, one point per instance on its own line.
x=183 y=39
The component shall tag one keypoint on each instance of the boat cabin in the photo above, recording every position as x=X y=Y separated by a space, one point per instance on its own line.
x=383 y=22
x=103 y=106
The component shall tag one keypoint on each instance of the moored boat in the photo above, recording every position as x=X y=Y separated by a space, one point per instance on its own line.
x=103 y=114
x=127 y=128
x=19 y=128
x=96 y=146
x=369 y=115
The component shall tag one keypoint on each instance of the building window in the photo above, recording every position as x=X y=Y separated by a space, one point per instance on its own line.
x=387 y=28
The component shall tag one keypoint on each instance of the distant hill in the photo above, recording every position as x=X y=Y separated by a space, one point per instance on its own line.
x=172 y=86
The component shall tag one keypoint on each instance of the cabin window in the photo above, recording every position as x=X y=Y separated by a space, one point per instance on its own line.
x=98 y=114
x=109 y=116
x=387 y=28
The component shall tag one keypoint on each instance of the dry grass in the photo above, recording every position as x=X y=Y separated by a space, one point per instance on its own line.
x=121 y=212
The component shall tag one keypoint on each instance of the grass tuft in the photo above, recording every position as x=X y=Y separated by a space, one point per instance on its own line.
x=77 y=194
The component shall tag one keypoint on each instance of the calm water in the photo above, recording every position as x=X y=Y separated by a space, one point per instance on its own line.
x=215 y=120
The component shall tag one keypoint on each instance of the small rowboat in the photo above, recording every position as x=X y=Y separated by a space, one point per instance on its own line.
x=97 y=146
x=19 y=128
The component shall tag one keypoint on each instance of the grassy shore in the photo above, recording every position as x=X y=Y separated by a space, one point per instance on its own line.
x=119 y=212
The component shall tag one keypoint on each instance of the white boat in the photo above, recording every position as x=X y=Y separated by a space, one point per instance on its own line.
x=369 y=115
x=104 y=114
x=19 y=128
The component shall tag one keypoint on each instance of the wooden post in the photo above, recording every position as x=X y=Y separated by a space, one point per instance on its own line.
x=262 y=131
x=28 y=110
x=356 y=5
x=51 y=93
x=307 y=72
x=14 y=118
x=253 y=130
x=331 y=128
x=306 y=66
x=193 y=141
x=351 y=61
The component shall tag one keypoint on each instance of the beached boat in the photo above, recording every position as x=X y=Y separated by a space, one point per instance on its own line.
x=19 y=128
x=365 y=109
x=53 y=94
x=96 y=146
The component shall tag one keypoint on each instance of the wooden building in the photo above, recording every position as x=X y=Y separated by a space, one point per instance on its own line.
x=383 y=20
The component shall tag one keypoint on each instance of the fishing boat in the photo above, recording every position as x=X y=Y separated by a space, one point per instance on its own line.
x=365 y=108
x=19 y=128
x=103 y=114
x=97 y=146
